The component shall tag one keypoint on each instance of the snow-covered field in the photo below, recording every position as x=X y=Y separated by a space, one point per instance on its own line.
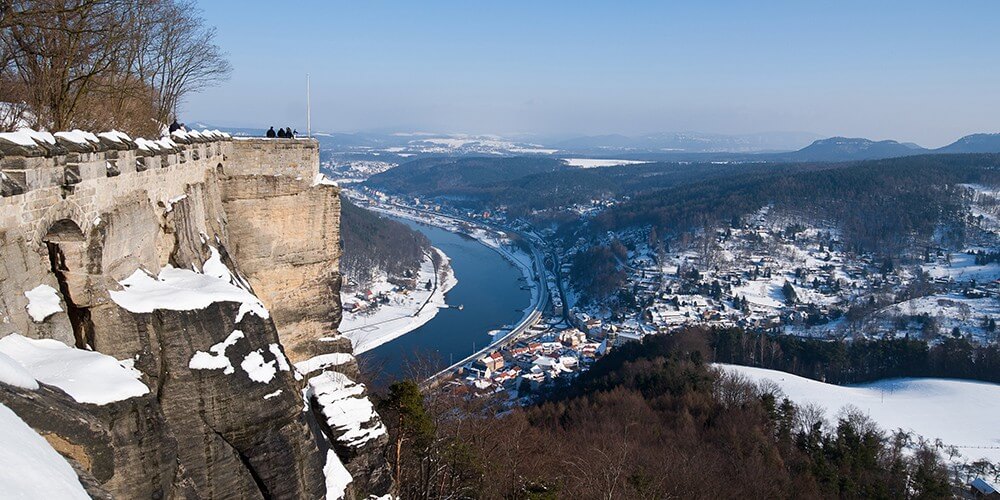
x=963 y=268
x=403 y=314
x=595 y=163
x=960 y=413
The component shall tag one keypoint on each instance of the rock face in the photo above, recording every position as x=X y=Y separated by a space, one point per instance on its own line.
x=226 y=414
x=287 y=240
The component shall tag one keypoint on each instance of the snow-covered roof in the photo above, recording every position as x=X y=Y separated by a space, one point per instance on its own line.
x=984 y=486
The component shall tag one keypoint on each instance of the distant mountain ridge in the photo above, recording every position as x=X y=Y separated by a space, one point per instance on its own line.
x=845 y=148
x=691 y=142
x=849 y=149
x=974 y=143
x=660 y=146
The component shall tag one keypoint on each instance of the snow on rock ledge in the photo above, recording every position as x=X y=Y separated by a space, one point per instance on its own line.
x=12 y=373
x=184 y=290
x=43 y=301
x=216 y=358
x=87 y=376
x=322 y=362
x=347 y=411
x=30 y=467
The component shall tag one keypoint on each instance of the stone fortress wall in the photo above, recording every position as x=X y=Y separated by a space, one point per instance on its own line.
x=118 y=195
x=80 y=213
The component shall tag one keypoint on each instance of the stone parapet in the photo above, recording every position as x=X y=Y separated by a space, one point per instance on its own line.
x=76 y=157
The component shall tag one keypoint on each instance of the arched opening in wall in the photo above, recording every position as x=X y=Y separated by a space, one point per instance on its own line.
x=220 y=170
x=64 y=230
x=67 y=249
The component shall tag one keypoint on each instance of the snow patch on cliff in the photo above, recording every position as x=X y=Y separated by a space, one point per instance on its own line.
x=184 y=290
x=257 y=369
x=43 y=301
x=337 y=476
x=323 y=361
x=12 y=373
x=216 y=358
x=87 y=376
x=279 y=357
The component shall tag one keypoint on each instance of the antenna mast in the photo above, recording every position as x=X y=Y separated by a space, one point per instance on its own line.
x=308 y=110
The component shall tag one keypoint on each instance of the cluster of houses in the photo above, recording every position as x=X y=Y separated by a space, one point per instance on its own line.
x=543 y=356
x=762 y=278
x=366 y=300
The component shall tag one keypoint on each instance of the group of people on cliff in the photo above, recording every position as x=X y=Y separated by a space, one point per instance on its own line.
x=282 y=133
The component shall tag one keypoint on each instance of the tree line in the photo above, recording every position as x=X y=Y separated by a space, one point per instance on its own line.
x=650 y=420
x=859 y=360
x=103 y=64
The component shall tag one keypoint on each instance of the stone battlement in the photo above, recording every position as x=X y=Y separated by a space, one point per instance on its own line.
x=31 y=161
x=76 y=174
x=123 y=204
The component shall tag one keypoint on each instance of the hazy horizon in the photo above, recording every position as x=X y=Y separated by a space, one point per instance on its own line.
x=910 y=71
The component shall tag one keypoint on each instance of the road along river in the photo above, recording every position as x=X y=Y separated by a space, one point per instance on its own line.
x=490 y=294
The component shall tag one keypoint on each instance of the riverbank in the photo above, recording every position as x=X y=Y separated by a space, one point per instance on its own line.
x=405 y=312
x=518 y=258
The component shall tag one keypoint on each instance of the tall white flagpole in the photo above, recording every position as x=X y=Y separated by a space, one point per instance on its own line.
x=308 y=110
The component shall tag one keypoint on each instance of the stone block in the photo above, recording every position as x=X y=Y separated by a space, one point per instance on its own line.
x=12 y=182
x=112 y=169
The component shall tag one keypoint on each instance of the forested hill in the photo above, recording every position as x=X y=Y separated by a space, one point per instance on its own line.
x=457 y=176
x=533 y=183
x=877 y=203
x=374 y=243
x=975 y=143
x=847 y=149
x=653 y=420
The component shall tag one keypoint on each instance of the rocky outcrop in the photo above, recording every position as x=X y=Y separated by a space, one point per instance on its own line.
x=196 y=229
x=235 y=435
x=287 y=240
x=109 y=445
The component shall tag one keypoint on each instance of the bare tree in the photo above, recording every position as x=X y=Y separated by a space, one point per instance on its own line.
x=182 y=56
x=103 y=63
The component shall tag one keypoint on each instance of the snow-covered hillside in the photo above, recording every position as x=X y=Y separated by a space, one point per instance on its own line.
x=597 y=162
x=960 y=413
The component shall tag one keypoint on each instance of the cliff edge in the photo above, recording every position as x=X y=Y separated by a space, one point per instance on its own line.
x=169 y=313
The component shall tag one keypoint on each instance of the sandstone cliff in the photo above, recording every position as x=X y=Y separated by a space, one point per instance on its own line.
x=208 y=268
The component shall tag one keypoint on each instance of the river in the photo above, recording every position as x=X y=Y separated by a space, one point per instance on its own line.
x=489 y=289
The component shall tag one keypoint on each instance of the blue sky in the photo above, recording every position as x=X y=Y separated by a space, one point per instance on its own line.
x=918 y=71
